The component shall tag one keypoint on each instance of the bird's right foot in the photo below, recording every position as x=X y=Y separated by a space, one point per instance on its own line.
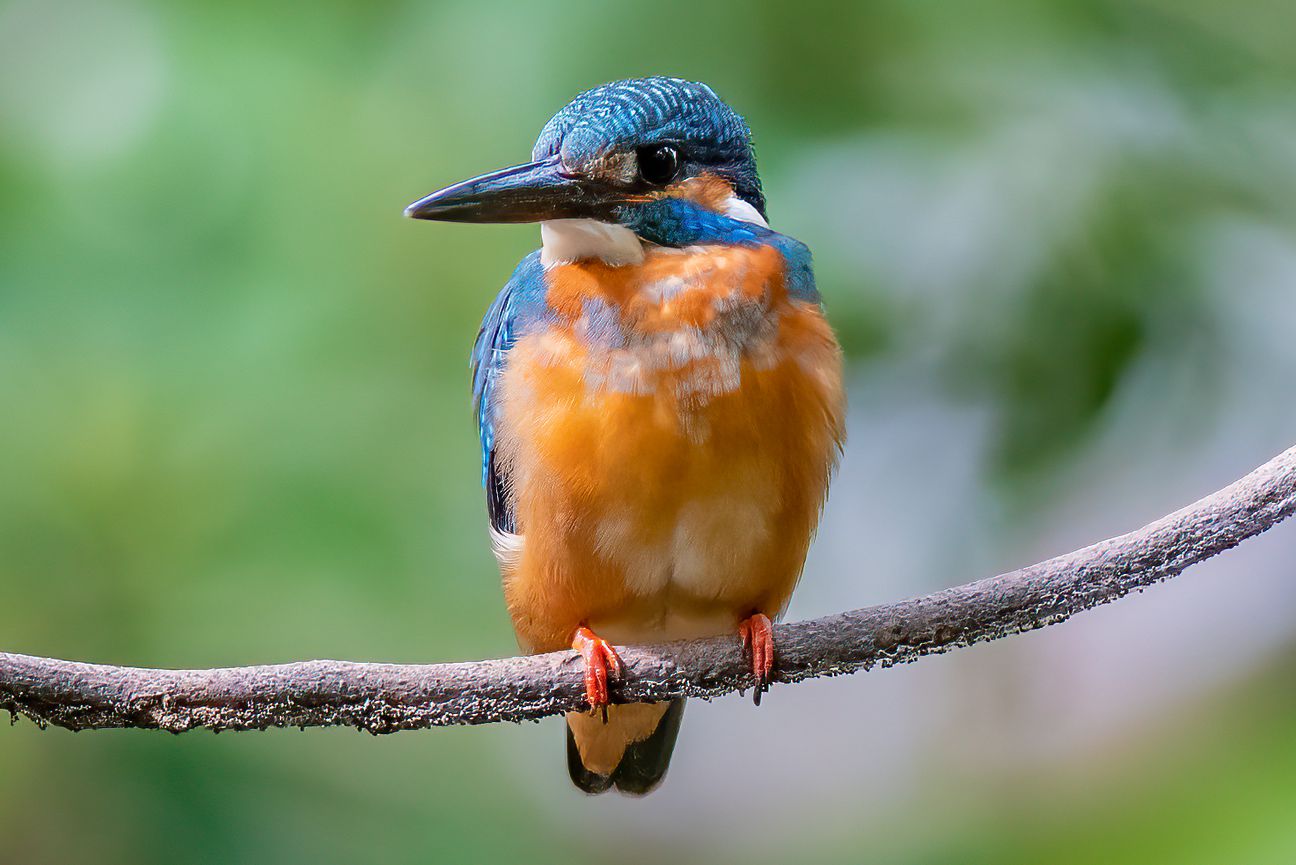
x=601 y=663
x=757 y=634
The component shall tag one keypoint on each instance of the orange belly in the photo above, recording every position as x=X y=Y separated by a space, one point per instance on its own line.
x=668 y=443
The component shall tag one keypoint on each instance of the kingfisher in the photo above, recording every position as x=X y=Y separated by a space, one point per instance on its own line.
x=659 y=400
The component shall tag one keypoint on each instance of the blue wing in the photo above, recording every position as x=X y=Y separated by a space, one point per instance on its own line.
x=519 y=307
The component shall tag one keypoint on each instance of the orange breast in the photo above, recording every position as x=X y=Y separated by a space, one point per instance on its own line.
x=668 y=442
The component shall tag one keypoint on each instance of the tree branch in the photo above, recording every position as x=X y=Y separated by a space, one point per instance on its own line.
x=383 y=698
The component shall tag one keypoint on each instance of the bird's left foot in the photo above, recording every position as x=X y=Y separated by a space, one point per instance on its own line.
x=758 y=643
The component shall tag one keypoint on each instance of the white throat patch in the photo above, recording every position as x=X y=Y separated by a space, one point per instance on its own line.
x=566 y=240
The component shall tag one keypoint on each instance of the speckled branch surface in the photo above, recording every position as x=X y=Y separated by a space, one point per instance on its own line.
x=383 y=698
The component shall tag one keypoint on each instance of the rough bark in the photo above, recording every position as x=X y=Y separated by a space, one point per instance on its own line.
x=383 y=698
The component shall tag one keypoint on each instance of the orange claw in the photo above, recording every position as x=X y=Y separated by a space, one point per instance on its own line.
x=601 y=661
x=758 y=641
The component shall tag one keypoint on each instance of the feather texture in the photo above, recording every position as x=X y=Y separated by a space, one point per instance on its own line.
x=659 y=402
x=665 y=435
x=519 y=306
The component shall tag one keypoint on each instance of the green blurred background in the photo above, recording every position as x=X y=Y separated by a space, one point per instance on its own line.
x=1058 y=241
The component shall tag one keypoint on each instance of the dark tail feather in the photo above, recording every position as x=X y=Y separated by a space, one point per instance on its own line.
x=643 y=764
x=590 y=782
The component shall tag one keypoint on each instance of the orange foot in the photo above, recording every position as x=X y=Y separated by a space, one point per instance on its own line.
x=758 y=642
x=601 y=661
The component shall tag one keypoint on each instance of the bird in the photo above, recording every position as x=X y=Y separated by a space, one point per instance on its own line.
x=659 y=400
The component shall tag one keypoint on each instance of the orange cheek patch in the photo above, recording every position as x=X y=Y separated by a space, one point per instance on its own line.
x=706 y=190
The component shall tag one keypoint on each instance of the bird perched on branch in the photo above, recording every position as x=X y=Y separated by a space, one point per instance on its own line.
x=659 y=399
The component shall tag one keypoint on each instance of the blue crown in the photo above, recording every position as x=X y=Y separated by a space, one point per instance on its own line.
x=639 y=112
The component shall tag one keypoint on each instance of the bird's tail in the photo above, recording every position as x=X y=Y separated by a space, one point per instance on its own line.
x=632 y=750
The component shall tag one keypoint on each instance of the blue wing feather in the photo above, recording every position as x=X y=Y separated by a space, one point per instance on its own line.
x=519 y=307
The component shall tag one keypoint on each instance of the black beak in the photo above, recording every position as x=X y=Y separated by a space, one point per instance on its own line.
x=524 y=193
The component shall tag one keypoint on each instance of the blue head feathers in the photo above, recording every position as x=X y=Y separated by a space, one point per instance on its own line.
x=606 y=152
x=625 y=120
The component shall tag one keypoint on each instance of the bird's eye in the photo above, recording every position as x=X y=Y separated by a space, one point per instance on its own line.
x=658 y=164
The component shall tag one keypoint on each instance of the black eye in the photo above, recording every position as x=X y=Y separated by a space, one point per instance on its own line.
x=658 y=164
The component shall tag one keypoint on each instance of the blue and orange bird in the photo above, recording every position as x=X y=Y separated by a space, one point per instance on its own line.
x=659 y=399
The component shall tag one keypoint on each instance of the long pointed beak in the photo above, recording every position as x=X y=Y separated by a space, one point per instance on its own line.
x=524 y=193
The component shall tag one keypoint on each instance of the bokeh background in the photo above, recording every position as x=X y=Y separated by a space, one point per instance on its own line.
x=1058 y=241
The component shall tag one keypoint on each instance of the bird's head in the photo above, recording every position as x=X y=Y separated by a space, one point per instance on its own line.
x=610 y=152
